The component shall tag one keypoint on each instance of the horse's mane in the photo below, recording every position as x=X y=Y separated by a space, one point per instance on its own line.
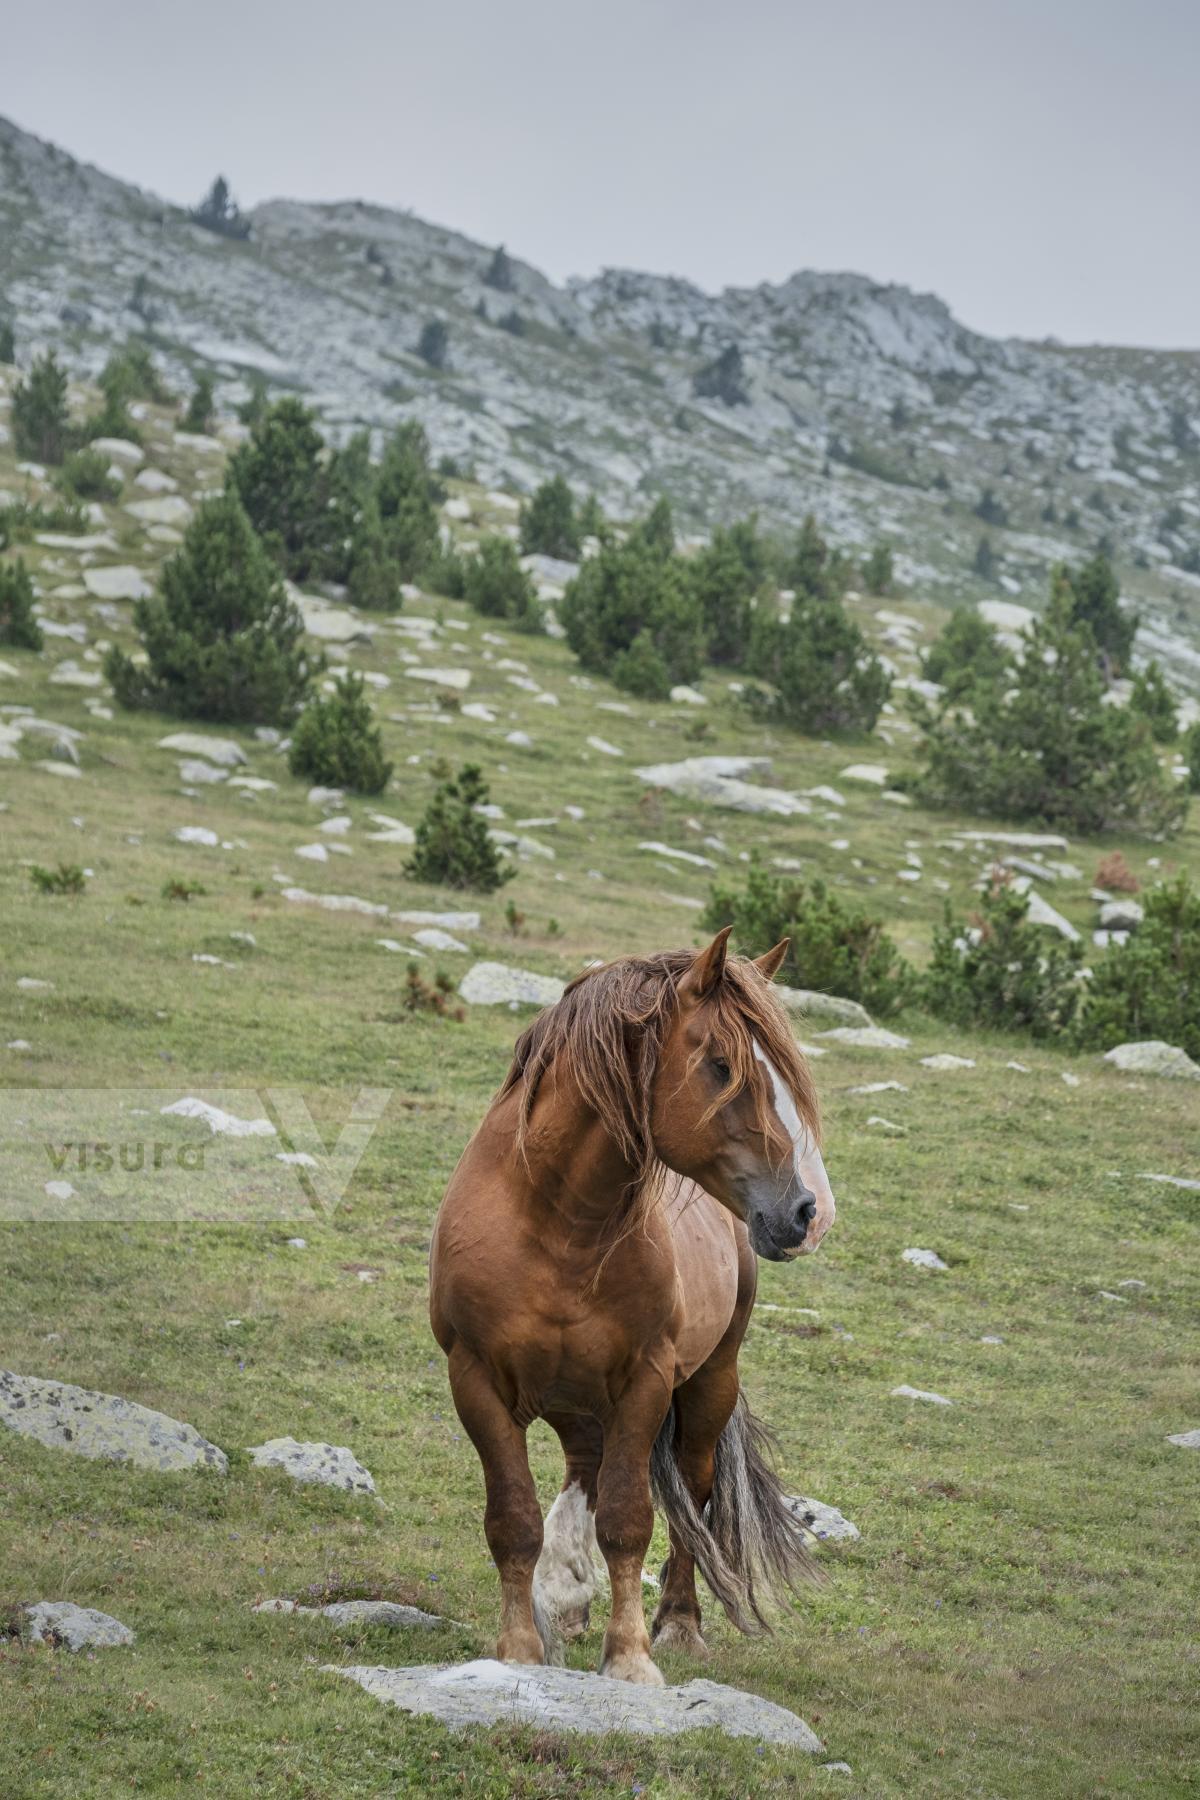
x=608 y=1030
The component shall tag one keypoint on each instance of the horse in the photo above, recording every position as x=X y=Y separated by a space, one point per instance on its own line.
x=593 y=1265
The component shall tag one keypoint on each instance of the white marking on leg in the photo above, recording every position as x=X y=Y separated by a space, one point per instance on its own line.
x=806 y=1158
x=565 y=1577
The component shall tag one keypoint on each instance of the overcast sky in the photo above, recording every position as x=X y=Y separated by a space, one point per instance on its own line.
x=1035 y=163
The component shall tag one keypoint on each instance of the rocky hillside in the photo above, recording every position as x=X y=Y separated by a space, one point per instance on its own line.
x=869 y=405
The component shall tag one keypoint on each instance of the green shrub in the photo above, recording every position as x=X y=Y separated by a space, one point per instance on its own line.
x=991 y=510
x=812 y=569
x=257 y=402
x=67 y=878
x=40 y=426
x=219 y=212
x=337 y=743
x=85 y=474
x=1090 y=595
x=1047 y=749
x=879 y=570
x=25 y=518
x=835 y=948
x=724 y=578
x=281 y=477
x=445 y=572
x=1149 y=987
x=406 y=492
x=724 y=378
x=221 y=637
x=631 y=591
x=549 y=523
x=133 y=371
x=496 y=585
x=453 y=848
x=1153 y=701
x=966 y=653
x=198 y=416
x=373 y=578
x=822 y=674
x=999 y=971
x=176 y=889
x=8 y=343
x=433 y=345
x=18 y=626
x=1191 y=756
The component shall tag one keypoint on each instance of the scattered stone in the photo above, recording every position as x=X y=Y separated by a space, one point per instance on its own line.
x=888 y=1125
x=520 y=740
x=911 y=1393
x=944 y=1060
x=991 y=1340
x=1179 y=1181
x=495 y=984
x=331 y=624
x=1042 y=913
x=223 y=751
x=168 y=509
x=1069 y=1080
x=1187 y=1440
x=1014 y=840
x=332 y=1465
x=358 y=1612
x=335 y=902
x=837 y=1768
x=220 y=1123
x=102 y=1425
x=865 y=1037
x=33 y=984
x=120 y=449
x=458 y=679
x=313 y=852
x=196 y=834
x=874 y=774
x=391 y=831
x=122 y=582
x=486 y=1692
x=1121 y=915
x=824 y=1522
x=325 y=796
x=450 y=921
x=1020 y=1067
x=718 y=780
x=154 y=481
x=924 y=1259
x=431 y=937
x=1154 y=1057
x=687 y=856
x=604 y=747
x=683 y=695
x=297 y=1243
x=66 y=1626
x=197 y=773
x=814 y=1005
x=879 y=1087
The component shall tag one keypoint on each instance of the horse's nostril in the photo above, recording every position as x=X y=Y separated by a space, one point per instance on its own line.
x=806 y=1211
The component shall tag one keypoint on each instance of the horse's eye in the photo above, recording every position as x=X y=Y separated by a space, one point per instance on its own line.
x=720 y=1069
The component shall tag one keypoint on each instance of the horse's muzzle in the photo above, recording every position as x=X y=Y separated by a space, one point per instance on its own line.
x=780 y=1232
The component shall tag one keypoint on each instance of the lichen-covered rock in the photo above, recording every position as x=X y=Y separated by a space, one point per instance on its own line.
x=824 y=1522
x=831 y=1007
x=1187 y=1440
x=495 y=984
x=102 y=1426
x=71 y=1627
x=865 y=1037
x=122 y=582
x=486 y=1692
x=332 y=1465
x=1154 y=1057
x=358 y=1612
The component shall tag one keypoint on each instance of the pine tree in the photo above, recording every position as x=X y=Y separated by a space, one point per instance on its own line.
x=1153 y=701
x=281 y=478
x=452 y=846
x=879 y=570
x=548 y=521
x=18 y=625
x=40 y=425
x=496 y=585
x=967 y=651
x=373 y=581
x=198 y=417
x=820 y=668
x=433 y=345
x=219 y=212
x=723 y=379
x=1093 y=598
x=499 y=273
x=8 y=342
x=336 y=741
x=222 y=639
x=722 y=577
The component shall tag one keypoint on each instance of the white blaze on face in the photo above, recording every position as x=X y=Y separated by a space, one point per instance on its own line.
x=806 y=1158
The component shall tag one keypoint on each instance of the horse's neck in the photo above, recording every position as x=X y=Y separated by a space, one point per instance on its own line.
x=569 y=1164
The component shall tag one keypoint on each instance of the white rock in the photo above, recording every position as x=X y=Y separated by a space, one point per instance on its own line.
x=604 y=747
x=61 y=1623
x=520 y=740
x=391 y=831
x=119 y=448
x=1015 y=840
x=195 y=772
x=450 y=921
x=312 y=852
x=944 y=1060
x=924 y=1259
x=331 y=624
x=879 y=1087
x=196 y=834
x=834 y=1008
x=335 y=902
x=102 y=1425
x=357 y=1612
x=1187 y=1440
x=33 y=984
x=687 y=856
x=220 y=1123
x=1153 y=1057
x=475 y=709
x=687 y=696
x=225 y=752
x=121 y=583
x=332 y=1465
x=719 y=780
x=874 y=774
x=434 y=939
x=1121 y=915
x=59 y=1190
x=888 y=1125
x=458 y=679
x=155 y=481
x=865 y=1037
x=169 y=509
x=1042 y=913
x=495 y=984
x=325 y=796
x=487 y=1692
x=824 y=1522
x=911 y=1393
x=1179 y=1181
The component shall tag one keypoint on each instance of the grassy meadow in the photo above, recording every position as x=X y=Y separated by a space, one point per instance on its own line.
x=1019 y=1616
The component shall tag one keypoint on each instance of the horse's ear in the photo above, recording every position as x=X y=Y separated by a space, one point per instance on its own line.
x=771 y=961
x=707 y=969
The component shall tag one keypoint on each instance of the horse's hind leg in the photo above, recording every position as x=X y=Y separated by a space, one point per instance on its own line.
x=565 y=1578
x=513 y=1520
x=703 y=1405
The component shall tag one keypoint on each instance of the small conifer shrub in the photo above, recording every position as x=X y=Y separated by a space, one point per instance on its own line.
x=40 y=426
x=337 y=743
x=18 y=626
x=453 y=848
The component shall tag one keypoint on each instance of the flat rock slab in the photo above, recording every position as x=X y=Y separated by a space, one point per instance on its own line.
x=102 y=1425
x=904 y=1392
x=719 y=780
x=1154 y=1057
x=332 y=1465
x=830 y=1007
x=1187 y=1440
x=62 y=1624
x=486 y=1692
x=225 y=752
x=865 y=1037
x=495 y=984
x=121 y=583
x=358 y=1612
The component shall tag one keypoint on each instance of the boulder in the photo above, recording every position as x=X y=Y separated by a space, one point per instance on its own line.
x=102 y=1426
x=904 y=1392
x=873 y=774
x=168 y=509
x=358 y=1612
x=923 y=1259
x=718 y=780
x=331 y=1465
x=824 y=1522
x=495 y=984
x=449 y=921
x=223 y=751
x=1121 y=915
x=1153 y=1057
x=944 y=1060
x=1042 y=913
x=331 y=624
x=1187 y=1440
x=122 y=582
x=335 y=902
x=865 y=1037
x=831 y=1007
x=486 y=1692
x=458 y=679
x=71 y=1627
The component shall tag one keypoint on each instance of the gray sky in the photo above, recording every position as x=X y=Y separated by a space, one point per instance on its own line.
x=1035 y=163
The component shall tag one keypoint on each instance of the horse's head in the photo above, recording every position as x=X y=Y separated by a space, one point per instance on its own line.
x=733 y=1105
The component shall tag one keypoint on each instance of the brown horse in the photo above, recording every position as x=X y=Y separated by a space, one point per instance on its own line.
x=593 y=1265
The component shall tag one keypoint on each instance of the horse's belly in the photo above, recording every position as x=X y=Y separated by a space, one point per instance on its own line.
x=707 y=1271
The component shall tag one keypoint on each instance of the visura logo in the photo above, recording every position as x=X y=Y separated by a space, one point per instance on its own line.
x=101 y=1158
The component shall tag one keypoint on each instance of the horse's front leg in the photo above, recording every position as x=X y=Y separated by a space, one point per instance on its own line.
x=625 y=1522
x=513 y=1519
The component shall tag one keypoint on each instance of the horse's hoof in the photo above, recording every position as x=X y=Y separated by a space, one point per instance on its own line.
x=678 y=1633
x=637 y=1668
x=573 y=1624
x=520 y=1647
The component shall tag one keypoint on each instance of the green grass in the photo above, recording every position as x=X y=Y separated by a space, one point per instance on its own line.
x=1019 y=1616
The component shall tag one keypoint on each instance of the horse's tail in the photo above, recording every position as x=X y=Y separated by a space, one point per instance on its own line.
x=749 y=1543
